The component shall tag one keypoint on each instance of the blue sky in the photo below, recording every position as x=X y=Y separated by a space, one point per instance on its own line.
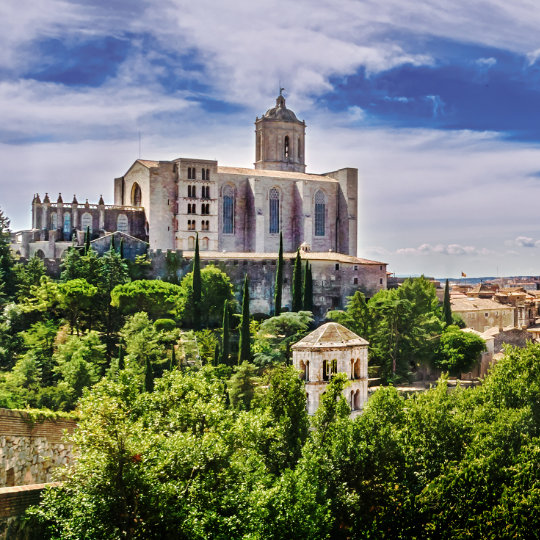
x=436 y=104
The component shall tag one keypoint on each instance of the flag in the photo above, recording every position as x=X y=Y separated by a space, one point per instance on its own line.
x=463 y=274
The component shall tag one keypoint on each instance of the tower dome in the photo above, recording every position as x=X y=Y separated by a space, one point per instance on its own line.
x=280 y=139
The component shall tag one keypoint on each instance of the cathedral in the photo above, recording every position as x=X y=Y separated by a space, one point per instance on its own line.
x=238 y=213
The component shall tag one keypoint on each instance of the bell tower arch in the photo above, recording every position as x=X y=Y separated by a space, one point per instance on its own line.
x=280 y=139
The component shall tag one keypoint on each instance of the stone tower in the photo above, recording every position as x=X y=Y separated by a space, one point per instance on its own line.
x=328 y=350
x=280 y=140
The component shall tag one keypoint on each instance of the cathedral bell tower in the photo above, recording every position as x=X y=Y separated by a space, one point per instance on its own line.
x=280 y=139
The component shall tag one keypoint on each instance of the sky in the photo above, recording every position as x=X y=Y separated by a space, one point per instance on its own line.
x=436 y=103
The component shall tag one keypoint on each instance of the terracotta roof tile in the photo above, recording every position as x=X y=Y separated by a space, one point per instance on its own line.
x=330 y=335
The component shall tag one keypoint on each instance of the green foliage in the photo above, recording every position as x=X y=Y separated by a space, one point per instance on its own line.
x=156 y=298
x=173 y=263
x=28 y=275
x=216 y=287
x=165 y=325
x=447 y=306
x=278 y=286
x=8 y=278
x=458 y=350
x=296 y=291
x=207 y=342
x=307 y=299
x=242 y=386
x=244 y=345
x=276 y=335
x=76 y=298
x=225 y=349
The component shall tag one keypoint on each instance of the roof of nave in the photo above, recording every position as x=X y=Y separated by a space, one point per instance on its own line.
x=330 y=335
x=148 y=163
x=275 y=174
x=308 y=255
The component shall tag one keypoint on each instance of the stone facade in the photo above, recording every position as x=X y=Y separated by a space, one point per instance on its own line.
x=329 y=350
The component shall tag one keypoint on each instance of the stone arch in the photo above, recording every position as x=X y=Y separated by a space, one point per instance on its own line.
x=205 y=243
x=39 y=253
x=357 y=400
x=357 y=369
x=191 y=242
x=286 y=147
x=136 y=195
x=87 y=222
x=122 y=223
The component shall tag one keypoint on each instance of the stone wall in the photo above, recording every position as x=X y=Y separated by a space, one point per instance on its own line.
x=30 y=451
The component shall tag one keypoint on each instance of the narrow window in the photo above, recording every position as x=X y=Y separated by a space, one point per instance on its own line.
x=86 y=221
x=208 y=174
x=356 y=281
x=337 y=266
x=228 y=210
x=320 y=214
x=191 y=242
x=136 y=195
x=298 y=147
x=286 y=147
x=54 y=221
x=204 y=243
x=274 y=211
x=67 y=226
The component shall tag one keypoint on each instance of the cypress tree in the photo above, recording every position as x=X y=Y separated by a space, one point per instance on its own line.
x=244 y=348
x=149 y=376
x=121 y=363
x=112 y=247
x=87 y=241
x=217 y=355
x=122 y=248
x=447 y=308
x=297 y=284
x=308 y=288
x=279 y=278
x=197 y=293
x=226 y=339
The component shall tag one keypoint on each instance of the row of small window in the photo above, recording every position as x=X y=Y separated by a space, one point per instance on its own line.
x=205 y=225
x=122 y=222
x=192 y=192
x=204 y=243
x=192 y=173
x=205 y=209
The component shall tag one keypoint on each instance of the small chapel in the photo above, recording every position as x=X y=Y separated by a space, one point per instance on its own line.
x=238 y=214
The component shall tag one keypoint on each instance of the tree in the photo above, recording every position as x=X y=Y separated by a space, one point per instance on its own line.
x=157 y=298
x=173 y=264
x=76 y=299
x=197 y=291
x=276 y=335
x=87 y=239
x=307 y=300
x=447 y=307
x=148 y=376
x=242 y=386
x=216 y=287
x=458 y=350
x=296 y=292
x=225 y=339
x=28 y=275
x=356 y=316
x=7 y=273
x=278 y=288
x=244 y=346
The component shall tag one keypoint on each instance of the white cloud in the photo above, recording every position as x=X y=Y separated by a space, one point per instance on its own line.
x=442 y=249
x=486 y=62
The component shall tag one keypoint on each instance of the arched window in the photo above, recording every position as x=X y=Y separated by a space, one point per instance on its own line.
x=86 y=222
x=204 y=243
x=228 y=210
x=136 y=196
x=286 y=147
x=67 y=225
x=191 y=242
x=320 y=214
x=274 y=211
x=54 y=221
x=122 y=223
x=39 y=253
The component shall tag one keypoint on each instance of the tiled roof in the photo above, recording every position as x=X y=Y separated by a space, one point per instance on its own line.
x=275 y=174
x=475 y=304
x=330 y=335
x=308 y=255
